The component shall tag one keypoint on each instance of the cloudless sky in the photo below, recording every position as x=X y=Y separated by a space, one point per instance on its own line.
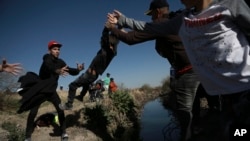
x=26 y=27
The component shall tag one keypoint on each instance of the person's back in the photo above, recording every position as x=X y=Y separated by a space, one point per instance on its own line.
x=106 y=81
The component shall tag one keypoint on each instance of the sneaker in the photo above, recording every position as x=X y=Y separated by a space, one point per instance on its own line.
x=27 y=139
x=66 y=106
x=64 y=137
x=79 y=97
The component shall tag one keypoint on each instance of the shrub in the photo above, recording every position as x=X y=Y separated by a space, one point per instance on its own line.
x=123 y=102
x=97 y=116
x=8 y=102
x=146 y=88
x=15 y=133
x=165 y=85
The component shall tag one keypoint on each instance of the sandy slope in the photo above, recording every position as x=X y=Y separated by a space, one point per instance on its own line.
x=75 y=129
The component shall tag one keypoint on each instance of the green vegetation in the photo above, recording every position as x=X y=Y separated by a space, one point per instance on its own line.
x=7 y=102
x=113 y=117
x=123 y=102
x=165 y=88
x=15 y=133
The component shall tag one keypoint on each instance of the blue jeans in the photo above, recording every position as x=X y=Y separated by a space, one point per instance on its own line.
x=185 y=86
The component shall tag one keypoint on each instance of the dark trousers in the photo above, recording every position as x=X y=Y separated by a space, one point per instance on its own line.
x=185 y=87
x=82 y=81
x=55 y=100
x=235 y=111
x=213 y=103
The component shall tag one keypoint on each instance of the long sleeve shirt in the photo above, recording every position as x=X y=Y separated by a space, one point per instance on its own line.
x=216 y=41
x=169 y=47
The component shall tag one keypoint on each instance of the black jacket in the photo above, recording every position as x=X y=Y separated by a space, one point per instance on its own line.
x=105 y=55
x=169 y=47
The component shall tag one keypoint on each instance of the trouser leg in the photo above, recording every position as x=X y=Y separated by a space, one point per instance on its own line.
x=30 y=121
x=235 y=111
x=185 y=88
x=55 y=99
x=83 y=81
x=84 y=90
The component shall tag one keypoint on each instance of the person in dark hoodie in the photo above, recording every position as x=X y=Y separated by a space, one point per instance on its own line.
x=45 y=88
x=98 y=65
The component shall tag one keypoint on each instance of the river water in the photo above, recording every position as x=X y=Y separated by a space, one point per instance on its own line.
x=155 y=121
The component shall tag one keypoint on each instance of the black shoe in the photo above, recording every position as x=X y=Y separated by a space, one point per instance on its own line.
x=64 y=137
x=66 y=106
x=79 y=97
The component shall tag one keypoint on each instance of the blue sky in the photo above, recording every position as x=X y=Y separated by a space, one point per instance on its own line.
x=28 y=25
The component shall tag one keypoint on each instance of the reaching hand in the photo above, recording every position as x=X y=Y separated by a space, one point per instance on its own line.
x=11 y=68
x=63 y=71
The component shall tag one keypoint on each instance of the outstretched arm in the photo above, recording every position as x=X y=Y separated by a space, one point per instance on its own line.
x=121 y=20
x=131 y=37
x=160 y=28
x=75 y=71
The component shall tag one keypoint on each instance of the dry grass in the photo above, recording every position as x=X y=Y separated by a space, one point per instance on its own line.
x=75 y=118
x=77 y=133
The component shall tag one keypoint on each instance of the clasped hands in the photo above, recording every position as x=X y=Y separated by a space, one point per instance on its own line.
x=112 y=19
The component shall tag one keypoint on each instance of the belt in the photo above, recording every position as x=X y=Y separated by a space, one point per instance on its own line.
x=183 y=70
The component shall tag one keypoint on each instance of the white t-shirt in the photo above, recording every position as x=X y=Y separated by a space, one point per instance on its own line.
x=218 y=50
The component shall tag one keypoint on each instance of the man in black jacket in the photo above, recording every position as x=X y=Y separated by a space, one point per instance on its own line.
x=183 y=80
x=45 y=89
x=98 y=65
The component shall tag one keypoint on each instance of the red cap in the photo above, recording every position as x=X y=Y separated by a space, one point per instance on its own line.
x=54 y=44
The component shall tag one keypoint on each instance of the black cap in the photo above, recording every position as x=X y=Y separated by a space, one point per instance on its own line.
x=156 y=4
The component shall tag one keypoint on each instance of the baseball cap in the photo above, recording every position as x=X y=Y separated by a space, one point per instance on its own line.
x=53 y=44
x=156 y=4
